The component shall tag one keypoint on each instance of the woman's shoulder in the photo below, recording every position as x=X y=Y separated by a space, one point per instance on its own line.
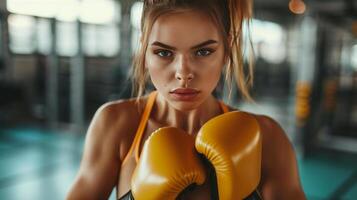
x=122 y=108
x=115 y=113
x=274 y=138
x=115 y=122
x=272 y=131
x=273 y=135
x=269 y=127
x=275 y=141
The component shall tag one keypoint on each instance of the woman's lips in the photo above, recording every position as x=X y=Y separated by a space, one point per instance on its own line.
x=184 y=94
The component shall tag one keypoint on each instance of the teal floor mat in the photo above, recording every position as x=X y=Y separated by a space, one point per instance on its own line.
x=323 y=175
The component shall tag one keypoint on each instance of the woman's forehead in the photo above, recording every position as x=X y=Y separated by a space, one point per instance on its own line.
x=184 y=28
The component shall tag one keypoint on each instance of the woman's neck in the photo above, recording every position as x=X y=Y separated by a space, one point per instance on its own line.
x=190 y=121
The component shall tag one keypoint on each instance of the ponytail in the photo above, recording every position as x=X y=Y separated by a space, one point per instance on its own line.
x=239 y=12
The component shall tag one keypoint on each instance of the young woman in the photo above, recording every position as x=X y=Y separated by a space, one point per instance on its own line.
x=185 y=47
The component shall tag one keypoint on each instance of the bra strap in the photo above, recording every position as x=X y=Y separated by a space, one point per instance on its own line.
x=143 y=122
x=141 y=128
x=223 y=106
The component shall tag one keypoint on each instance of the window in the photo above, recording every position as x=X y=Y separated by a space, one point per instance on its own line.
x=135 y=16
x=88 y=11
x=44 y=36
x=354 y=57
x=100 y=40
x=22 y=34
x=67 y=44
x=100 y=33
x=269 y=41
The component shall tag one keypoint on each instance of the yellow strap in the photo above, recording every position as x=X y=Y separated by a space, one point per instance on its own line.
x=224 y=107
x=143 y=122
x=141 y=128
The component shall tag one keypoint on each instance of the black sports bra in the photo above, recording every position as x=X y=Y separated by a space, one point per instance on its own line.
x=127 y=196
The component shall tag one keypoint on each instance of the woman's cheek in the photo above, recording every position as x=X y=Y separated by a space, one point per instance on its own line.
x=211 y=66
x=213 y=70
x=160 y=63
x=159 y=73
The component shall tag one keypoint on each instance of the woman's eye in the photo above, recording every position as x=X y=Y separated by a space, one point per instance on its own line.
x=204 y=52
x=163 y=53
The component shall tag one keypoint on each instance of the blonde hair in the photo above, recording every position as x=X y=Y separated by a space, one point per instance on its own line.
x=228 y=16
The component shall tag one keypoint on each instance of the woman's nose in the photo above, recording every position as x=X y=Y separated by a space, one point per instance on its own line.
x=184 y=77
x=183 y=71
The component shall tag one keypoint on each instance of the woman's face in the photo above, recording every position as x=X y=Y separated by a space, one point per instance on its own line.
x=185 y=56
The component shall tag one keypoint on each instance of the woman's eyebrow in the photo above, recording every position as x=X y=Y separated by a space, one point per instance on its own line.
x=204 y=44
x=156 y=43
x=160 y=44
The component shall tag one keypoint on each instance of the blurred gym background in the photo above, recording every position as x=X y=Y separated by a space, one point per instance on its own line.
x=61 y=59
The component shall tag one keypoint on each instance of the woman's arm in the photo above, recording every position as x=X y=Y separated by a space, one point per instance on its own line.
x=280 y=172
x=100 y=165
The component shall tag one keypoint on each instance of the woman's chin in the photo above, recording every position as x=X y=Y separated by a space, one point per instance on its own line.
x=185 y=106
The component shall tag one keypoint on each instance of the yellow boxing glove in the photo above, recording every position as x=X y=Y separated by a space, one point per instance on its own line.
x=168 y=164
x=232 y=144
